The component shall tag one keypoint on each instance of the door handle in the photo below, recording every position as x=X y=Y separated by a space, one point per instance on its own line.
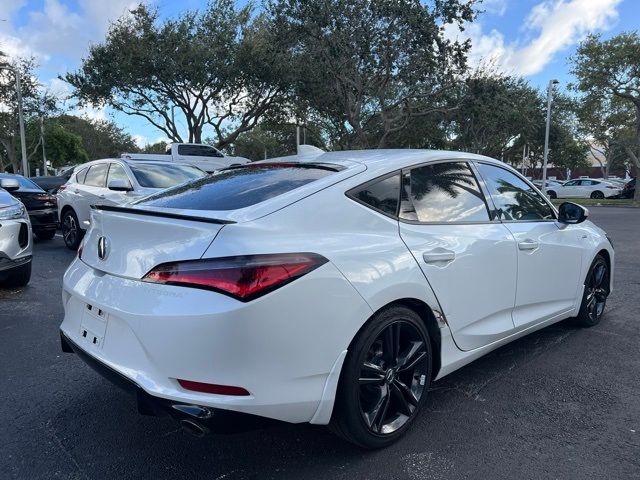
x=438 y=255
x=528 y=244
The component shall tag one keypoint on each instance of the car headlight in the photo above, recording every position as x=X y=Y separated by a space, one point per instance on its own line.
x=12 y=212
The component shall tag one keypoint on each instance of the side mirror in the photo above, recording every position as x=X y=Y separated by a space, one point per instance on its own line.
x=119 y=186
x=572 y=213
x=10 y=184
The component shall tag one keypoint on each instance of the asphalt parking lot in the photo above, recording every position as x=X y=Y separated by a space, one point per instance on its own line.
x=560 y=403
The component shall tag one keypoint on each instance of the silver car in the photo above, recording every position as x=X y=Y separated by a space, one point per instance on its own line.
x=16 y=244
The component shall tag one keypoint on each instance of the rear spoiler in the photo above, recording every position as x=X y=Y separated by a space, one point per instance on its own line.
x=151 y=213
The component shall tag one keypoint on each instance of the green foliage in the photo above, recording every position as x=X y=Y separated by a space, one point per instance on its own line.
x=608 y=72
x=158 y=147
x=365 y=68
x=62 y=146
x=217 y=68
x=494 y=111
x=100 y=138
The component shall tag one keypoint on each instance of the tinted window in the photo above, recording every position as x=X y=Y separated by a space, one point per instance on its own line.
x=116 y=172
x=442 y=192
x=571 y=183
x=80 y=176
x=152 y=175
x=238 y=187
x=97 y=175
x=198 y=150
x=513 y=197
x=382 y=195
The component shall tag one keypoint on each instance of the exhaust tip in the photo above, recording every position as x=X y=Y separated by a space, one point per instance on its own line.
x=194 y=428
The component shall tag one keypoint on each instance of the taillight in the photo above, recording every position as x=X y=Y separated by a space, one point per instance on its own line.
x=243 y=278
x=213 y=388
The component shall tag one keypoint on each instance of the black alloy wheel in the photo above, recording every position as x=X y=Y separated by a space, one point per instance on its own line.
x=552 y=194
x=596 y=291
x=384 y=380
x=597 y=194
x=71 y=233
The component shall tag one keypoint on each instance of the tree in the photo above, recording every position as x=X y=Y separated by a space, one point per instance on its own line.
x=494 y=111
x=366 y=68
x=100 y=138
x=611 y=68
x=62 y=147
x=158 y=147
x=34 y=101
x=607 y=124
x=213 y=69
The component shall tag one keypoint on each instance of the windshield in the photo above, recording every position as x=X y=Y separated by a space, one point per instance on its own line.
x=154 y=175
x=25 y=183
x=240 y=187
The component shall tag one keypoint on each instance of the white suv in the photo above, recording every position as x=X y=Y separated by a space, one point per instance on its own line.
x=113 y=182
x=16 y=244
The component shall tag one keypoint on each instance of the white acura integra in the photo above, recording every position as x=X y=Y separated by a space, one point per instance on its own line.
x=328 y=288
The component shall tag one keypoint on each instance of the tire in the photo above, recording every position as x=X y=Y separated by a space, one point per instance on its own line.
x=596 y=291
x=45 y=234
x=18 y=277
x=71 y=232
x=552 y=194
x=597 y=194
x=384 y=380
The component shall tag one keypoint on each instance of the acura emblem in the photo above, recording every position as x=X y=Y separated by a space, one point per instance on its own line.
x=102 y=248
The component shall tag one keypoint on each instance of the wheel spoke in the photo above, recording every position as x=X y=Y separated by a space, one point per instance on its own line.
x=598 y=275
x=372 y=417
x=600 y=294
x=381 y=414
x=411 y=357
x=406 y=392
x=372 y=368
x=371 y=380
x=391 y=343
x=405 y=407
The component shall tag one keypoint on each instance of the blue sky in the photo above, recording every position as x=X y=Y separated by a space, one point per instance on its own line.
x=532 y=38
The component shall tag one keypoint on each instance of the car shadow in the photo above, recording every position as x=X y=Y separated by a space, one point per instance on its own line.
x=101 y=425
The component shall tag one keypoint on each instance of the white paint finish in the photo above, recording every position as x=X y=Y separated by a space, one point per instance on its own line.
x=476 y=289
x=286 y=347
x=550 y=273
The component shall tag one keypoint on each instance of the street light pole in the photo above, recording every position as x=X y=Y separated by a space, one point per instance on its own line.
x=25 y=166
x=552 y=84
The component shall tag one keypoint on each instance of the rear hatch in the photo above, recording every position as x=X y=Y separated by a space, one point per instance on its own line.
x=181 y=222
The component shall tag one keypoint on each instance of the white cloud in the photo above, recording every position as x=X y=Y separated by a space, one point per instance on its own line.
x=53 y=30
x=550 y=27
x=497 y=7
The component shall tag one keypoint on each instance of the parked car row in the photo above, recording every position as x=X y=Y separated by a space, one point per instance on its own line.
x=596 y=188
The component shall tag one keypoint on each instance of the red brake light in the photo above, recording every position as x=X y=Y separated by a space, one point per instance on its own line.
x=213 y=388
x=243 y=278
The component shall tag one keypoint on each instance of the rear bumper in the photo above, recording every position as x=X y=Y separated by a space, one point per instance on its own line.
x=207 y=418
x=281 y=347
x=46 y=219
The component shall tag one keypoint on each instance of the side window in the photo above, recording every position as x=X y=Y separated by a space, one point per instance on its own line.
x=572 y=183
x=513 y=197
x=382 y=195
x=116 y=172
x=97 y=175
x=442 y=192
x=81 y=175
x=198 y=151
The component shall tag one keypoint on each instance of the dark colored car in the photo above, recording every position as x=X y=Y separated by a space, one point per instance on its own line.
x=50 y=183
x=629 y=189
x=41 y=206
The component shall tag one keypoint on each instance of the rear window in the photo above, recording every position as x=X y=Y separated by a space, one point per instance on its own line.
x=239 y=187
x=151 y=175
